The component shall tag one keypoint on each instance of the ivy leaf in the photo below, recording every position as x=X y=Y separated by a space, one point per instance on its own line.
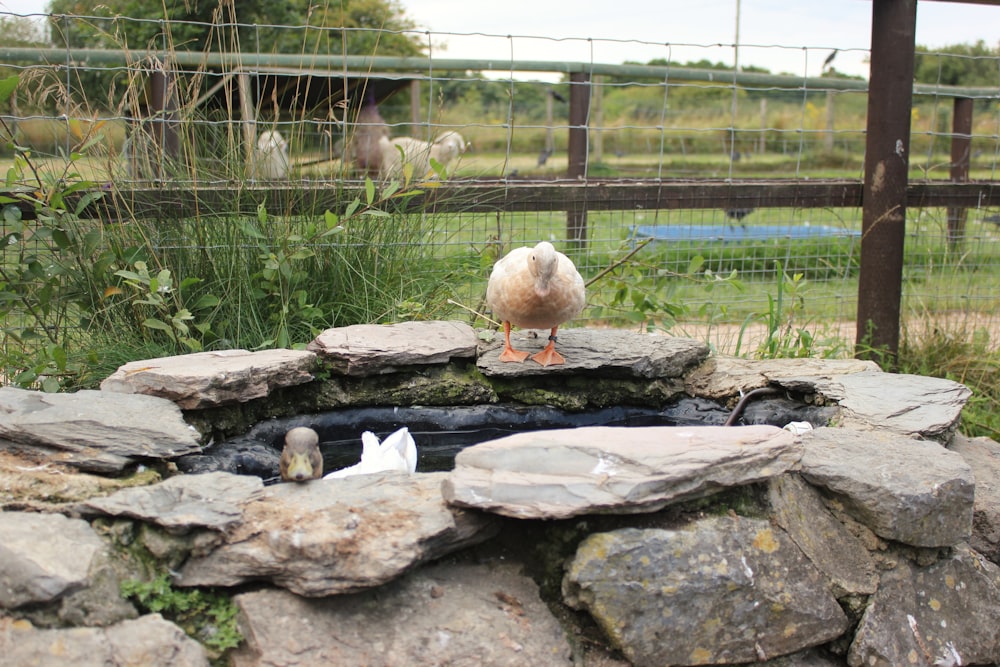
x=369 y=191
x=159 y=325
x=352 y=207
x=7 y=86
x=696 y=263
x=206 y=301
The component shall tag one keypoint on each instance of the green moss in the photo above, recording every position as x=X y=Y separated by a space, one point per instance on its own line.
x=576 y=392
x=451 y=384
x=749 y=500
x=205 y=615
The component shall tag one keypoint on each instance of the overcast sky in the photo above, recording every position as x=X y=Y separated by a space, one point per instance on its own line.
x=782 y=36
x=793 y=37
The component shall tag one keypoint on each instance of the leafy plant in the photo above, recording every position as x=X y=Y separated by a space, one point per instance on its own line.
x=163 y=310
x=788 y=336
x=52 y=266
x=292 y=254
x=645 y=298
x=205 y=615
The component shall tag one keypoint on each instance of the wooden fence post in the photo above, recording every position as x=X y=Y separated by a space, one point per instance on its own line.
x=887 y=149
x=415 y=111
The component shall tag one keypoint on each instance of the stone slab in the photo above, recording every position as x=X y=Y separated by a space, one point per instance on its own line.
x=612 y=352
x=605 y=469
x=912 y=491
x=208 y=379
x=375 y=349
x=93 y=430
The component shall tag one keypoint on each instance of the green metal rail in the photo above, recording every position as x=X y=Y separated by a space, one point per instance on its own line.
x=377 y=66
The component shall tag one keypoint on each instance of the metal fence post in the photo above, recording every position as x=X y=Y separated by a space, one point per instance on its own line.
x=961 y=147
x=579 y=112
x=164 y=109
x=887 y=147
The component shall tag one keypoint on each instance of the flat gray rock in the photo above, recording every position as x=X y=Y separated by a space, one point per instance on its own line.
x=912 y=405
x=338 y=536
x=613 y=352
x=95 y=431
x=983 y=456
x=373 y=349
x=723 y=590
x=799 y=510
x=212 y=500
x=943 y=614
x=602 y=469
x=43 y=556
x=149 y=640
x=482 y=615
x=722 y=377
x=912 y=491
x=208 y=379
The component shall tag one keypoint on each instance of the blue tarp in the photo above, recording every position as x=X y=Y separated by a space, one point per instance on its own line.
x=738 y=232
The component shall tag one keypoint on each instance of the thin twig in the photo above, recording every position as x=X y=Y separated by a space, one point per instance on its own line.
x=619 y=262
x=473 y=311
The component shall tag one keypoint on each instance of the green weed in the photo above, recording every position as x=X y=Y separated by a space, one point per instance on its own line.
x=205 y=615
x=964 y=354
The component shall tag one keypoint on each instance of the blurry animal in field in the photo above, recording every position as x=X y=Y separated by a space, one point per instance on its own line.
x=738 y=214
x=535 y=288
x=366 y=141
x=270 y=158
x=406 y=150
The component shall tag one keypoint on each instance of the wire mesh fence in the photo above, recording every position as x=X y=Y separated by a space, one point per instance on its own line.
x=263 y=107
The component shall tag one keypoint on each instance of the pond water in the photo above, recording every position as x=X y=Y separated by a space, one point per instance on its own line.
x=442 y=432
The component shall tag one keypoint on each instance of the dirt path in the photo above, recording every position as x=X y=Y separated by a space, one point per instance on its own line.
x=839 y=336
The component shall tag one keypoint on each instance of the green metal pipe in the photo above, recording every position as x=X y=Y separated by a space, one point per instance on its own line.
x=377 y=65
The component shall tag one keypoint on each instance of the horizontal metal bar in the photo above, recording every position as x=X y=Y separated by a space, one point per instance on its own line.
x=340 y=65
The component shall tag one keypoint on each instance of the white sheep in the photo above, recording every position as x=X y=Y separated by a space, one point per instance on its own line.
x=270 y=158
x=406 y=150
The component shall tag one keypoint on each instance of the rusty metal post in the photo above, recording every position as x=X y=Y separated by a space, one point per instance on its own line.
x=887 y=146
x=961 y=148
x=579 y=112
x=163 y=109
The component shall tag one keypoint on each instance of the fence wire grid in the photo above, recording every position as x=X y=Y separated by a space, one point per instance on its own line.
x=670 y=121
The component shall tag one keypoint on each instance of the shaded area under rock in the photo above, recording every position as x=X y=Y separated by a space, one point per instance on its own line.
x=442 y=432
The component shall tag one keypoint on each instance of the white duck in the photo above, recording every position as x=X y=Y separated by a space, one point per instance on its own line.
x=397 y=452
x=535 y=288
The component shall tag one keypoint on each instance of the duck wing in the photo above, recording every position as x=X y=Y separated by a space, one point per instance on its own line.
x=401 y=442
x=397 y=452
x=369 y=463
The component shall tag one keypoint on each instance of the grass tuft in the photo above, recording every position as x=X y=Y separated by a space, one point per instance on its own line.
x=962 y=353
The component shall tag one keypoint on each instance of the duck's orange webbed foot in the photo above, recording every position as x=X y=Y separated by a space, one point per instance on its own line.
x=548 y=356
x=509 y=353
